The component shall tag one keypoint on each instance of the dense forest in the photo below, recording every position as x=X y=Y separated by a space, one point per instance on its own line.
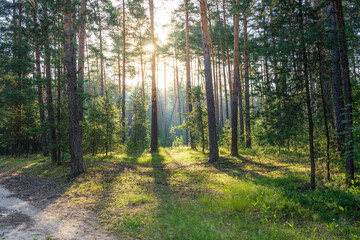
x=85 y=78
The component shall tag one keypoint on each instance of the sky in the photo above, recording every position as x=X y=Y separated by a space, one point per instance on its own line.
x=162 y=16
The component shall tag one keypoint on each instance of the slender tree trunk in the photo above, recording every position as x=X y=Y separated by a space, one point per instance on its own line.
x=165 y=132
x=88 y=68
x=234 y=99
x=227 y=57
x=101 y=53
x=81 y=61
x=337 y=83
x=77 y=162
x=44 y=142
x=327 y=100
x=49 y=98
x=123 y=76
x=59 y=101
x=308 y=99
x=344 y=62
x=214 y=150
x=247 y=95
x=178 y=88
x=241 y=111
x=220 y=94
x=142 y=68
x=154 y=127
x=18 y=149
x=188 y=82
x=224 y=74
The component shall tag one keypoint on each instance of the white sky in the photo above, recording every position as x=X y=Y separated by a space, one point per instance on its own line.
x=162 y=16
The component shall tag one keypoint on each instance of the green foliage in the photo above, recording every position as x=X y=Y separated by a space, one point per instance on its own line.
x=100 y=125
x=225 y=137
x=139 y=134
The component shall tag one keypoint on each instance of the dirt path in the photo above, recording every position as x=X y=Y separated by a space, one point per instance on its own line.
x=20 y=220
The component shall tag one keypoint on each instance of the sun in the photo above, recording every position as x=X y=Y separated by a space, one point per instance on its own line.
x=149 y=48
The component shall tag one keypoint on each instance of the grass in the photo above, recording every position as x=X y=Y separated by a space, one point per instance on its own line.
x=177 y=194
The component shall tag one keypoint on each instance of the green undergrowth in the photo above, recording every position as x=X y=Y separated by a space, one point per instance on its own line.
x=177 y=194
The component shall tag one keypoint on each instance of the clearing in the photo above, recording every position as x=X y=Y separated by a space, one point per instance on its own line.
x=175 y=194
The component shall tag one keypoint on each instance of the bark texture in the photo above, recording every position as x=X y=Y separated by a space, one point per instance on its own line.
x=214 y=150
x=75 y=137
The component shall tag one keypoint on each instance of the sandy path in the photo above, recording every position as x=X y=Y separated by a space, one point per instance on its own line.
x=20 y=220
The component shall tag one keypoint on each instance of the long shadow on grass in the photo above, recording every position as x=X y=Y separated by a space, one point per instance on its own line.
x=327 y=203
x=236 y=167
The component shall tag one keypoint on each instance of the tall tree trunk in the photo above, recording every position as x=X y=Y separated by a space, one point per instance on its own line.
x=234 y=99
x=224 y=74
x=188 y=82
x=178 y=88
x=308 y=99
x=220 y=93
x=123 y=76
x=18 y=54
x=77 y=162
x=326 y=97
x=165 y=132
x=101 y=52
x=44 y=142
x=214 y=150
x=344 y=61
x=142 y=68
x=59 y=85
x=227 y=56
x=88 y=68
x=49 y=99
x=337 y=83
x=247 y=95
x=154 y=123
x=81 y=61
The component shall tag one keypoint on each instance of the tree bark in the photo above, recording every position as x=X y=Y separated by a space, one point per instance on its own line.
x=49 y=98
x=308 y=99
x=344 y=61
x=81 y=61
x=44 y=142
x=234 y=99
x=154 y=123
x=337 y=83
x=188 y=80
x=247 y=95
x=214 y=150
x=101 y=53
x=123 y=78
x=77 y=162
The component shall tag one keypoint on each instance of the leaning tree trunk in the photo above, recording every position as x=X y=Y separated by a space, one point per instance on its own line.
x=75 y=137
x=214 y=150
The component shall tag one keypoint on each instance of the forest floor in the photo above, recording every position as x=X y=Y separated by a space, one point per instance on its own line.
x=175 y=194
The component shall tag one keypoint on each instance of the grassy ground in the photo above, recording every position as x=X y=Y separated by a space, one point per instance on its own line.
x=177 y=194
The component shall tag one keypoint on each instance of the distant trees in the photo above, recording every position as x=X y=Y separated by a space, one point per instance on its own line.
x=290 y=83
